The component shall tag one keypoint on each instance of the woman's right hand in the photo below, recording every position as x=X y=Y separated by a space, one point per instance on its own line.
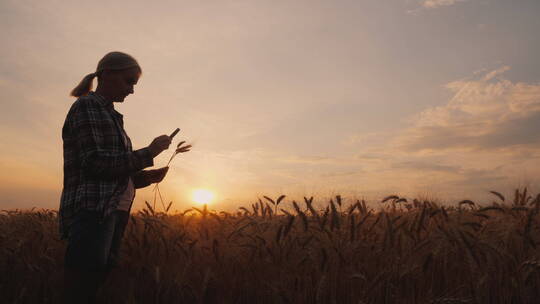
x=159 y=144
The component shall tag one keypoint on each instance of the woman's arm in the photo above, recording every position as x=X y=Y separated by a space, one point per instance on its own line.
x=145 y=178
x=97 y=160
x=140 y=180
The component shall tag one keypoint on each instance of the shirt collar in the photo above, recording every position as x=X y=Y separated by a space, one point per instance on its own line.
x=105 y=103
x=102 y=100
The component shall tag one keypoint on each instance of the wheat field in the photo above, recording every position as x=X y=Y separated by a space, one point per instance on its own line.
x=281 y=251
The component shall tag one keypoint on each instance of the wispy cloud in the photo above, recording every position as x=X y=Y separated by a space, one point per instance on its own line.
x=439 y=3
x=485 y=113
x=433 y=4
x=496 y=72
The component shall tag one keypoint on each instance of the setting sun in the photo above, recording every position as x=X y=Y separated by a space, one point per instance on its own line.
x=202 y=196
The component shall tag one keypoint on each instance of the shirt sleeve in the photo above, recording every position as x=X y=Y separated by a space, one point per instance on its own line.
x=140 y=180
x=96 y=159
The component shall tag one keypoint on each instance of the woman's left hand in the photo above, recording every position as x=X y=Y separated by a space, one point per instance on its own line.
x=157 y=175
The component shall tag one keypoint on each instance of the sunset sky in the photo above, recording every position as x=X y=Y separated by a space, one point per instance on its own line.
x=438 y=98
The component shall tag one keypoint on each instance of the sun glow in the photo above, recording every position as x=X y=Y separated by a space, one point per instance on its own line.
x=202 y=196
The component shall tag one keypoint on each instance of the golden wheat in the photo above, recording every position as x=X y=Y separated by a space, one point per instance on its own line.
x=390 y=252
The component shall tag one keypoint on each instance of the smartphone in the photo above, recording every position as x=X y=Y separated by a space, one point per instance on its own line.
x=174 y=133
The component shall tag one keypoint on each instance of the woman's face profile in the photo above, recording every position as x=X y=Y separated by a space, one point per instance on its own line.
x=119 y=84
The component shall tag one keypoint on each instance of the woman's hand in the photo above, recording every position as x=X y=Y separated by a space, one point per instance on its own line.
x=159 y=144
x=157 y=175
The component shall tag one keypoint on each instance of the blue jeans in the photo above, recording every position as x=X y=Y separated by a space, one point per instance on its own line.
x=92 y=245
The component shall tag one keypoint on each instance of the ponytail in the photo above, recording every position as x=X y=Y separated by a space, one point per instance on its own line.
x=84 y=86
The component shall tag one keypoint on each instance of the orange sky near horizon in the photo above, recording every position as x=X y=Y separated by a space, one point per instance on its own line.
x=363 y=98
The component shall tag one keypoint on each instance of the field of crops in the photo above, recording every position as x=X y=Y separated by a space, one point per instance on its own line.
x=280 y=251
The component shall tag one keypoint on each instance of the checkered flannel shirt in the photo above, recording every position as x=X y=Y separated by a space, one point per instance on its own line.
x=98 y=160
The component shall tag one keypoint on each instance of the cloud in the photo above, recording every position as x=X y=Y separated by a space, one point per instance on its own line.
x=496 y=72
x=485 y=113
x=426 y=166
x=311 y=159
x=433 y=4
x=439 y=3
x=340 y=174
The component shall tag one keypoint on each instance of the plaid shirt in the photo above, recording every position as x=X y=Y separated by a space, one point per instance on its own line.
x=98 y=160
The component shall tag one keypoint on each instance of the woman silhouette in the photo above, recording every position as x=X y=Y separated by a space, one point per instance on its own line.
x=101 y=173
